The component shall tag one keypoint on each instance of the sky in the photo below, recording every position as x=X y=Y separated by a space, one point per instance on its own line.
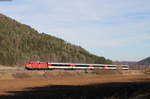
x=116 y=29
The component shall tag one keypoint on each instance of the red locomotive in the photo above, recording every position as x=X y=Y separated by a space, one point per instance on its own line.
x=37 y=65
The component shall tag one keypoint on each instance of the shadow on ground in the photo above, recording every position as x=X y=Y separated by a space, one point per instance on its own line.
x=140 y=90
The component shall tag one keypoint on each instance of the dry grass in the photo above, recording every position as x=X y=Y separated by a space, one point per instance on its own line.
x=107 y=72
x=20 y=84
x=78 y=84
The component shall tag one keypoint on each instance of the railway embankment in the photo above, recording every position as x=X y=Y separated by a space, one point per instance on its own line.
x=21 y=73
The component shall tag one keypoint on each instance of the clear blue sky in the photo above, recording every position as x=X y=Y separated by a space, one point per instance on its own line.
x=115 y=29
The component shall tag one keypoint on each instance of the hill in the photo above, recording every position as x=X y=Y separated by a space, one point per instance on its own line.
x=145 y=61
x=130 y=63
x=20 y=43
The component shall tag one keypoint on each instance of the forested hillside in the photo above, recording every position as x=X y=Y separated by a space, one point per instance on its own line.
x=20 y=43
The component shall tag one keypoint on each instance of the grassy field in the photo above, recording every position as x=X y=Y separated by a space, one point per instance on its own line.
x=67 y=85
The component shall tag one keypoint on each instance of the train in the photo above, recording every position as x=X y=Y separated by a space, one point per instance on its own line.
x=40 y=65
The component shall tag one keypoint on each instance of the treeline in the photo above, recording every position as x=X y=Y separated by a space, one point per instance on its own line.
x=20 y=43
